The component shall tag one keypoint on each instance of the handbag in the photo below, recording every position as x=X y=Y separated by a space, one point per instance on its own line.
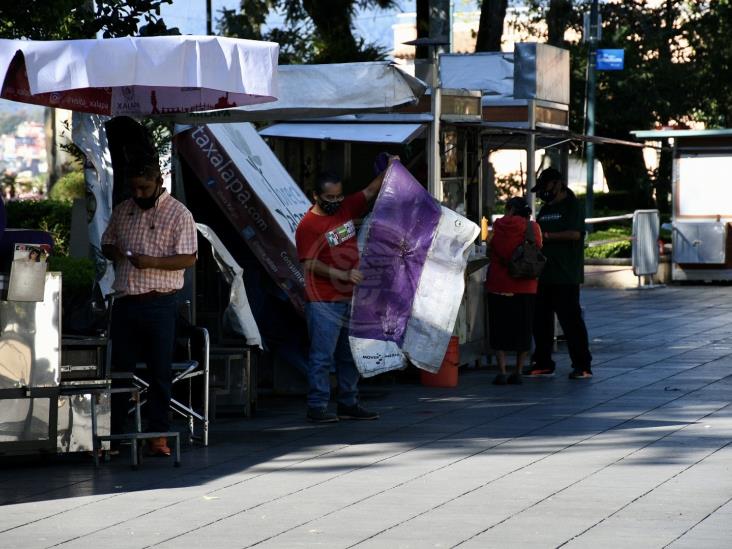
x=527 y=261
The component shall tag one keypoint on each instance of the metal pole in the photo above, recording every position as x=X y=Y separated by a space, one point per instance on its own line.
x=591 y=84
x=531 y=157
x=209 y=27
x=434 y=168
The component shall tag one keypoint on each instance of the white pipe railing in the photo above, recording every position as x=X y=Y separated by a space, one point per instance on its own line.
x=593 y=220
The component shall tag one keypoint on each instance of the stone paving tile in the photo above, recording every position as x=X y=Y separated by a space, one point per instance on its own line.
x=603 y=463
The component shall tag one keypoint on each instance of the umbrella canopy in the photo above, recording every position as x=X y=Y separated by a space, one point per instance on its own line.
x=140 y=76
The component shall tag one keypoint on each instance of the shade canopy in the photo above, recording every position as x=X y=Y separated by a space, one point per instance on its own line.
x=307 y=91
x=140 y=75
x=367 y=133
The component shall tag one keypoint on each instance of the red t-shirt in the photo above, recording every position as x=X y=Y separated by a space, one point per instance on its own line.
x=331 y=239
x=508 y=233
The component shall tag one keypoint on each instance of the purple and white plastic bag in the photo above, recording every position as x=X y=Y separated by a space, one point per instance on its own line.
x=413 y=262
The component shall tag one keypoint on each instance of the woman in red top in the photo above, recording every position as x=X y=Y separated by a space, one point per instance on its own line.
x=510 y=300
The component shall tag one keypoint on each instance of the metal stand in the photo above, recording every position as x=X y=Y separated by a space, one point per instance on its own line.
x=649 y=286
x=135 y=455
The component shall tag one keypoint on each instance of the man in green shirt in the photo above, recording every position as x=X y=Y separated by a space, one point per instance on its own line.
x=562 y=225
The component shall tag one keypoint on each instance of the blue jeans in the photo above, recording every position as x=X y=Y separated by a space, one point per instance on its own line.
x=328 y=327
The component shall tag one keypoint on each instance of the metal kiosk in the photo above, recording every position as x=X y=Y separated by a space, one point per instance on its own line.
x=40 y=411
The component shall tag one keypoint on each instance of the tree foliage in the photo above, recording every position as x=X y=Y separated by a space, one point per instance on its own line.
x=295 y=37
x=677 y=71
x=708 y=30
x=70 y=19
x=314 y=31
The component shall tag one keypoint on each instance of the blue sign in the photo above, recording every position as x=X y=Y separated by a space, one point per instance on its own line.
x=610 y=60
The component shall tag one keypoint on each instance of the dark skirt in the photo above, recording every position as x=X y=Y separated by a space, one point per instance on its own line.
x=510 y=321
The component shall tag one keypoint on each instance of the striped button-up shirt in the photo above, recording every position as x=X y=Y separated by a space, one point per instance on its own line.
x=165 y=230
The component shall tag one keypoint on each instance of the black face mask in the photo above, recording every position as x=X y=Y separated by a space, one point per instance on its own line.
x=329 y=208
x=145 y=203
x=547 y=196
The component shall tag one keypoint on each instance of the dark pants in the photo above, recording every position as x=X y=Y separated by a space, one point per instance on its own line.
x=144 y=331
x=562 y=300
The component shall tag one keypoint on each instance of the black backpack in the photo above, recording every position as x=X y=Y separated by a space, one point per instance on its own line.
x=526 y=261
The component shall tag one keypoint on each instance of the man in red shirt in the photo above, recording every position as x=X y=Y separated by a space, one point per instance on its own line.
x=327 y=249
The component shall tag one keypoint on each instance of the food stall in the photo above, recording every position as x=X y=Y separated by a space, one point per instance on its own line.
x=702 y=202
x=53 y=386
x=485 y=102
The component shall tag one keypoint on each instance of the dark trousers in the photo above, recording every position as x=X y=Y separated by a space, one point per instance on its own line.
x=144 y=331
x=562 y=300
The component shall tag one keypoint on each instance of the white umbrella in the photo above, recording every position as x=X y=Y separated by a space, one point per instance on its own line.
x=140 y=76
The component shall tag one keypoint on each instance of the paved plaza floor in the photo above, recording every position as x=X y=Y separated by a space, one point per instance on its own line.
x=640 y=456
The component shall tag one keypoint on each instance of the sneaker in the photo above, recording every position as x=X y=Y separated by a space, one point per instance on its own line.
x=536 y=371
x=500 y=379
x=580 y=373
x=355 y=412
x=321 y=415
x=515 y=379
x=158 y=447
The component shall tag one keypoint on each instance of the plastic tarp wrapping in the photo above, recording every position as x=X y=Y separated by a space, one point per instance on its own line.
x=440 y=292
x=90 y=135
x=238 y=314
x=413 y=262
x=490 y=72
x=306 y=91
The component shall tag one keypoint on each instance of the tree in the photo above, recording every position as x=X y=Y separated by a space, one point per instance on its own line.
x=335 y=42
x=69 y=19
x=656 y=86
x=321 y=32
x=423 y=27
x=295 y=38
x=490 y=27
x=558 y=18
x=708 y=30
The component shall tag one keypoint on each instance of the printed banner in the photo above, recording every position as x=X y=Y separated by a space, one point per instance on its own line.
x=255 y=192
x=413 y=261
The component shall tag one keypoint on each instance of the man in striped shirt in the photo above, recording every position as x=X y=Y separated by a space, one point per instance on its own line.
x=151 y=238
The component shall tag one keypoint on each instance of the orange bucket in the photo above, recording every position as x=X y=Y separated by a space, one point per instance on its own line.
x=447 y=375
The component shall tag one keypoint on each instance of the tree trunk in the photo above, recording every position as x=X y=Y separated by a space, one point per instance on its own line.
x=490 y=29
x=423 y=27
x=557 y=20
x=332 y=21
x=624 y=167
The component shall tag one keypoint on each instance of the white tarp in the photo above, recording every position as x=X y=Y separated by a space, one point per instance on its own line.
x=307 y=91
x=439 y=292
x=140 y=75
x=90 y=136
x=214 y=62
x=238 y=314
x=490 y=72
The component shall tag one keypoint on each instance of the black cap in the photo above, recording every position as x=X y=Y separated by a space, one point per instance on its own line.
x=547 y=176
x=519 y=205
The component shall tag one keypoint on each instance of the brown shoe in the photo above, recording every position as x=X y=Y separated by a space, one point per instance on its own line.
x=158 y=447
